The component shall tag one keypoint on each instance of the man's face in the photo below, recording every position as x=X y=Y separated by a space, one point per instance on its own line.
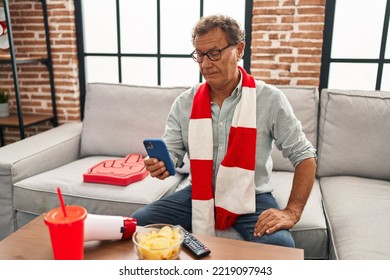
x=222 y=72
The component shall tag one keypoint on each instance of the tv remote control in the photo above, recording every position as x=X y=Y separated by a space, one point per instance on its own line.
x=197 y=248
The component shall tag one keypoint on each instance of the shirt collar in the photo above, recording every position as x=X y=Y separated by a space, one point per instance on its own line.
x=238 y=88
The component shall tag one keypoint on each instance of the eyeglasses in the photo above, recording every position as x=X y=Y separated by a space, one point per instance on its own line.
x=213 y=55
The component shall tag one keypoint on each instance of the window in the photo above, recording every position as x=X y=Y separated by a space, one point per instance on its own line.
x=356 y=51
x=146 y=42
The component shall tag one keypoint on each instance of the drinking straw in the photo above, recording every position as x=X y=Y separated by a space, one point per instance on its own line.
x=61 y=201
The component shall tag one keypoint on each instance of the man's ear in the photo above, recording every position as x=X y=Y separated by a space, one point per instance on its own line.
x=240 y=49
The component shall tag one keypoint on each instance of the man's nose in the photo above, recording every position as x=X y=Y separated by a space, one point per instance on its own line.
x=207 y=62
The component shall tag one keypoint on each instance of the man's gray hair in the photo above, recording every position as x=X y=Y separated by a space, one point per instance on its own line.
x=227 y=24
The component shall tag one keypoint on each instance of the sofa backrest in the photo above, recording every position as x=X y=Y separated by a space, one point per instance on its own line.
x=304 y=101
x=354 y=134
x=118 y=117
x=115 y=124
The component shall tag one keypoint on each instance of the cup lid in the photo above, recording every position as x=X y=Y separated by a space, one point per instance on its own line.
x=74 y=213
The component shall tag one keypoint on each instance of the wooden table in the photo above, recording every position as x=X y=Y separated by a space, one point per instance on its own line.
x=32 y=242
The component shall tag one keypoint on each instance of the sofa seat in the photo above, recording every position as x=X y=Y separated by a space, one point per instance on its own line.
x=37 y=194
x=358 y=213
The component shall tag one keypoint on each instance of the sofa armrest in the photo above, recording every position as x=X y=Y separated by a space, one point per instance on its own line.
x=41 y=152
x=31 y=156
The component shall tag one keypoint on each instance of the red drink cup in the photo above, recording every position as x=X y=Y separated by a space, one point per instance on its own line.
x=67 y=233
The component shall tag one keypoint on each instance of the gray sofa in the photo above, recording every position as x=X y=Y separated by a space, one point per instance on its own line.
x=345 y=217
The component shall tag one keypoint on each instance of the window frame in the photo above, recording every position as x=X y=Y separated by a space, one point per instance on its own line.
x=327 y=47
x=81 y=54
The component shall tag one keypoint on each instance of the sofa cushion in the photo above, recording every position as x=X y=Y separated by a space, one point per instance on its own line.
x=354 y=134
x=358 y=213
x=304 y=101
x=124 y=115
x=37 y=194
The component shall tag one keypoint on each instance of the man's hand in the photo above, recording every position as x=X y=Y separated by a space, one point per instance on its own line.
x=156 y=168
x=272 y=220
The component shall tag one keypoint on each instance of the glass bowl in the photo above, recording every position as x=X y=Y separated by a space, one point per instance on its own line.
x=158 y=242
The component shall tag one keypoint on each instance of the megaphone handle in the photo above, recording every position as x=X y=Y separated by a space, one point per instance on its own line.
x=129 y=227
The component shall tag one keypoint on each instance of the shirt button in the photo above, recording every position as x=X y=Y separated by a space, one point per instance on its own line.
x=220 y=148
x=220 y=124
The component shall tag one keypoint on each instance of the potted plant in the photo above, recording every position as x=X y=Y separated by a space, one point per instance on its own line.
x=4 y=107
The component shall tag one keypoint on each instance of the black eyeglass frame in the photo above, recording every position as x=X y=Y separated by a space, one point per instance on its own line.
x=209 y=56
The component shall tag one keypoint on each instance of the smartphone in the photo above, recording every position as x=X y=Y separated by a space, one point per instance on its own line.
x=156 y=148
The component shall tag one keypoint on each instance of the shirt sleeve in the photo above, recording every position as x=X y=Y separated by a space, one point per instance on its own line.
x=176 y=129
x=287 y=132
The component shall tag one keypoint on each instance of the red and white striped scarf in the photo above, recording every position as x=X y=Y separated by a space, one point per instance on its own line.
x=235 y=187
